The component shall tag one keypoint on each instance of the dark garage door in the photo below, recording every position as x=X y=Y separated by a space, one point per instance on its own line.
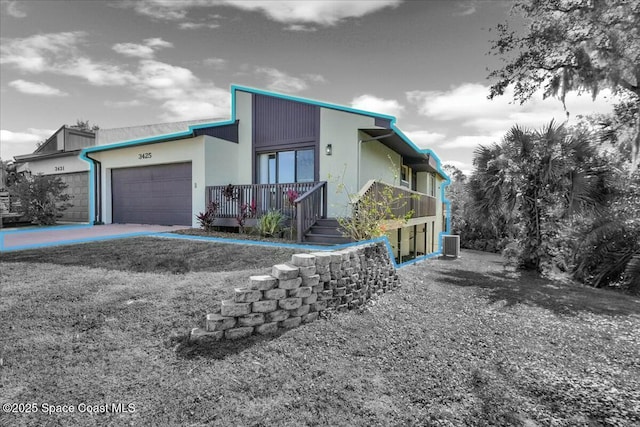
x=152 y=194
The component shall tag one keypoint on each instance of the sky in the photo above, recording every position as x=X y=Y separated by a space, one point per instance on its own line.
x=120 y=63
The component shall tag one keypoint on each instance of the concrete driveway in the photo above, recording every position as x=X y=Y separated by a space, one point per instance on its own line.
x=17 y=239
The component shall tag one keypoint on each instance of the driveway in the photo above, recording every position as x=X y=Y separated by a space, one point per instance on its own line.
x=16 y=239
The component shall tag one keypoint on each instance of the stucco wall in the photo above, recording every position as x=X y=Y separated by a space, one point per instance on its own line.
x=221 y=162
x=377 y=161
x=244 y=160
x=340 y=129
x=57 y=165
x=186 y=150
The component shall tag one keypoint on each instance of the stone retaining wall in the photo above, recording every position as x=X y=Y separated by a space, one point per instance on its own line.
x=296 y=292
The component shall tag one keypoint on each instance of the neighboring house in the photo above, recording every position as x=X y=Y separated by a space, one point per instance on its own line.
x=58 y=156
x=274 y=149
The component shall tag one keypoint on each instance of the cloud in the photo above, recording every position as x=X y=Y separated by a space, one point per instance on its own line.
x=133 y=49
x=123 y=104
x=466 y=8
x=183 y=94
x=300 y=28
x=39 y=52
x=146 y=50
x=12 y=9
x=59 y=53
x=378 y=105
x=33 y=88
x=197 y=25
x=425 y=139
x=467 y=105
x=178 y=90
x=16 y=143
x=280 y=81
x=480 y=121
x=326 y=13
x=217 y=63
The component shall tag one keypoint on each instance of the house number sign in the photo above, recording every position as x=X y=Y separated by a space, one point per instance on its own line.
x=58 y=168
x=142 y=156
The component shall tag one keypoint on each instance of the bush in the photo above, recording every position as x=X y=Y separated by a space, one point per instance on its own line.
x=207 y=218
x=271 y=223
x=42 y=198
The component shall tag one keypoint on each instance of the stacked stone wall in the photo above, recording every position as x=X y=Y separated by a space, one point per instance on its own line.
x=298 y=291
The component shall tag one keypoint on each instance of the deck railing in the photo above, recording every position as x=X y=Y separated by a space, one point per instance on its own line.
x=254 y=200
x=403 y=200
x=310 y=206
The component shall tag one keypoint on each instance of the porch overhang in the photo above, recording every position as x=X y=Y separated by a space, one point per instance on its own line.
x=419 y=162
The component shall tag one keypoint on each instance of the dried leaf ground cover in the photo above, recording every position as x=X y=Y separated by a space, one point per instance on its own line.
x=460 y=343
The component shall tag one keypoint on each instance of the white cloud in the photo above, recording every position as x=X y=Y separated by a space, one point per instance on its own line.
x=16 y=143
x=146 y=50
x=12 y=9
x=179 y=91
x=282 y=82
x=33 y=88
x=39 y=52
x=197 y=25
x=466 y=168
x=425 y=139
x=468 y=104
x=217 y=63
x=133 y=49
x=378 y=105
x=471 y=141
x=59 y=53
x=300 y=28
x=466 y=8
x=123 y=104
x=321 y=12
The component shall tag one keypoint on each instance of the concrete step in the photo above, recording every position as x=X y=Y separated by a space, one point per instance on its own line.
x=326 y=239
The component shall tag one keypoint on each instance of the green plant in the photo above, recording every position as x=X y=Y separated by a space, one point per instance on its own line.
x=207 y=218
x=42 y=198
x=271 y=223
x=374 y=209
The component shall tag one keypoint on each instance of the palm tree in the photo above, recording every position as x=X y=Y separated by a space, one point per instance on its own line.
x=536 y=180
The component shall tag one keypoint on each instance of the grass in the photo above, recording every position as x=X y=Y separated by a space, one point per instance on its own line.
x=460 y=343
x=154 y=255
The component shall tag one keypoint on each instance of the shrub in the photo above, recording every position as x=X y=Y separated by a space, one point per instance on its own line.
x=207 y=218
x=371 y=212
x=271 y=223
x=42 y=198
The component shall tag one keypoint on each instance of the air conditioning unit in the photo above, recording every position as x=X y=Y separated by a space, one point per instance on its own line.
x=451 y=246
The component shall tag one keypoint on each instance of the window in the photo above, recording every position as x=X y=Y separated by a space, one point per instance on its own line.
x=286 y=166
x=432 y=185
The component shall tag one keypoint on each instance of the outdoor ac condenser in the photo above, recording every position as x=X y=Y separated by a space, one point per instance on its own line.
x=451 y=246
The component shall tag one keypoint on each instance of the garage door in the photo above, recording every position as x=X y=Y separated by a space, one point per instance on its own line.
x=78 y=189
x=158 y=194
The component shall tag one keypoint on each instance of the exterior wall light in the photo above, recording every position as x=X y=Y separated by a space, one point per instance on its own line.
x=328 y=150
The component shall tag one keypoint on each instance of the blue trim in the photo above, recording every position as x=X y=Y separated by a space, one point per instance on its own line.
x=38 y=229
x=76 y=241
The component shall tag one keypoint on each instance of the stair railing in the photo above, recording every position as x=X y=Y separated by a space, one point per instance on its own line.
x=311 y=206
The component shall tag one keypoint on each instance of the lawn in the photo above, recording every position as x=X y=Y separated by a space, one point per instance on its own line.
x=462 y=342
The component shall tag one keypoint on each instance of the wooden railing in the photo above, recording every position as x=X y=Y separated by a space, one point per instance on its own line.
x=403 y=200
x=9 y=204
x=257 y=199
x=311 y=206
